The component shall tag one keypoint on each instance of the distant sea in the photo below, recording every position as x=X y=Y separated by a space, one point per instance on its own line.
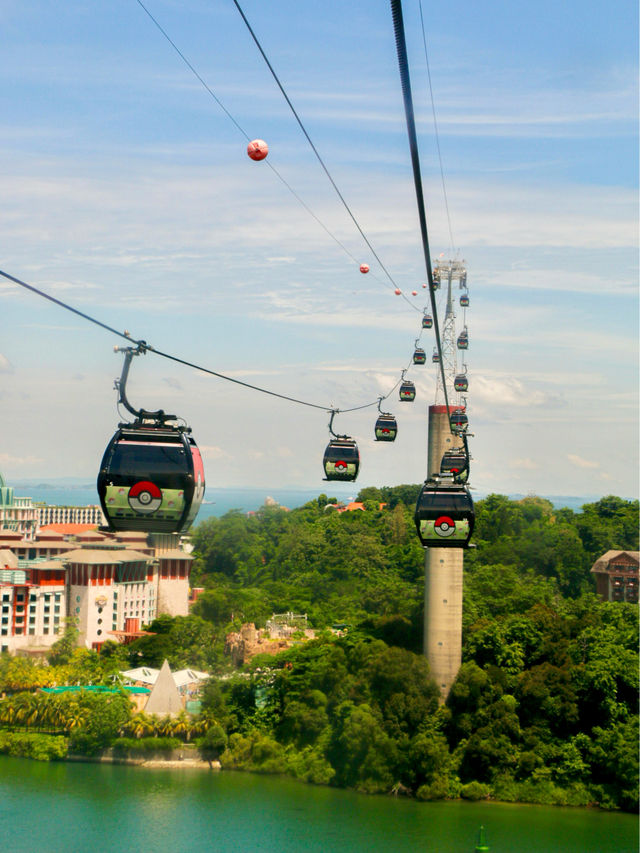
x=218 y=501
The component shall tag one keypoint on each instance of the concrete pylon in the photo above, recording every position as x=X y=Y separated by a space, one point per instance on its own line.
x=442 y=577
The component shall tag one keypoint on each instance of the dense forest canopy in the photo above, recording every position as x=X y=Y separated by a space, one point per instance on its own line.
x=544 y=708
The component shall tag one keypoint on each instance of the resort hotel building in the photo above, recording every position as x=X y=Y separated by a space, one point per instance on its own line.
x=111 y=584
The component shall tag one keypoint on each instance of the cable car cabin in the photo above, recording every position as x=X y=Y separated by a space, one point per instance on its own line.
x=386 y=428
x=461 y=383
x=341 y=459
x=408 y=391
x=456 y=463
x=464 y=301
x=458 y=421
x=435 y=358
x=427 y=321
x=419 y=356
x=151 y=479
x=463 y=341
x=444 y=515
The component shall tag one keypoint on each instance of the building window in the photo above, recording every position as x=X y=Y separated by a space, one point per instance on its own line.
x=32 y=631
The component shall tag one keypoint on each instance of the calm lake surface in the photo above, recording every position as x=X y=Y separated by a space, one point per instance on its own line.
x=94 y=807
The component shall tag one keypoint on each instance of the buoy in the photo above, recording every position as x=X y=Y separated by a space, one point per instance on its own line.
x=397 y=291
x=364 y=268
x=481 y=843
x=257 y=149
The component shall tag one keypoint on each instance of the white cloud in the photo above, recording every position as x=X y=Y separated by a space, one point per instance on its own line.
x=172 y=383
x=8 y=459
x=213 y=452
x=579 y=462
x=510 y=391
x=524 y=464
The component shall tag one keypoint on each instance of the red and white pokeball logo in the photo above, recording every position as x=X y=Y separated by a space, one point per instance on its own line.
x=341 y=465
x=386 y=431
x=444 y=526
x=145 y=497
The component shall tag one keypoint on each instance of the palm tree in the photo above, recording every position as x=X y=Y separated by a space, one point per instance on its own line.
x=7 y=712
x=23 y=708
x=75 y=717
x=165 y=726
x=183 y=726
x=140 y=725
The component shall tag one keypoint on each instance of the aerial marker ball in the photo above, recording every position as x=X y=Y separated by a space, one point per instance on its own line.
x=424 y=285
x=257 y=149
x=364 y=268
x=397 y=291
x=414 y=292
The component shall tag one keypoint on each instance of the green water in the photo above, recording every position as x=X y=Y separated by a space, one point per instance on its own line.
x=92 y=807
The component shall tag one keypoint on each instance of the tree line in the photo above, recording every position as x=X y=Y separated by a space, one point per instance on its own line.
x=544 y=708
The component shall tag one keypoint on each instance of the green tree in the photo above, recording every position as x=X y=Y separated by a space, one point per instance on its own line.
x=213 y=743
x=63 y=648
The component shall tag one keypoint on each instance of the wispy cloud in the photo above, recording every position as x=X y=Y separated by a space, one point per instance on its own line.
x=579 y=462
x=210 y=451
x=524 y=464
x=9 y=459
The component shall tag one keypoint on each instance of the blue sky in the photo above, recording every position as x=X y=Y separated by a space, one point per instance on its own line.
x=127 y=191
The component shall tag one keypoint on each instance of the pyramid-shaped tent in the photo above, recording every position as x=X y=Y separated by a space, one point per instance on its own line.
x=164 y=698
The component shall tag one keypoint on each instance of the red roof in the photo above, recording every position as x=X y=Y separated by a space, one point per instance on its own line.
x=68 y=529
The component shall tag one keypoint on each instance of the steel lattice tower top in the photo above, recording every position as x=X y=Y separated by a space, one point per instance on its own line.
x=449 y=272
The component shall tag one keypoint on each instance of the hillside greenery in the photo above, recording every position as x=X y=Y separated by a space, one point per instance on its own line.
x=544 y=708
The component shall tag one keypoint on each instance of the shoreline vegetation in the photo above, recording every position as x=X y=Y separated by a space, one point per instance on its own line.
x=543 y=710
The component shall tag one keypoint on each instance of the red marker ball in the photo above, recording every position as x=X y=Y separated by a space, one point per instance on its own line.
x=257 y=149
x=397 y=291
x=424 y=285
x=414 y=292
x=364 y=268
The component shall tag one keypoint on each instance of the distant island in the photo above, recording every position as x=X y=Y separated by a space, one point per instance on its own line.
x=544 y=708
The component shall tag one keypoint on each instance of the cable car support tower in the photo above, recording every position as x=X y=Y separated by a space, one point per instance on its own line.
x=443 y=567
x=449 y=272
